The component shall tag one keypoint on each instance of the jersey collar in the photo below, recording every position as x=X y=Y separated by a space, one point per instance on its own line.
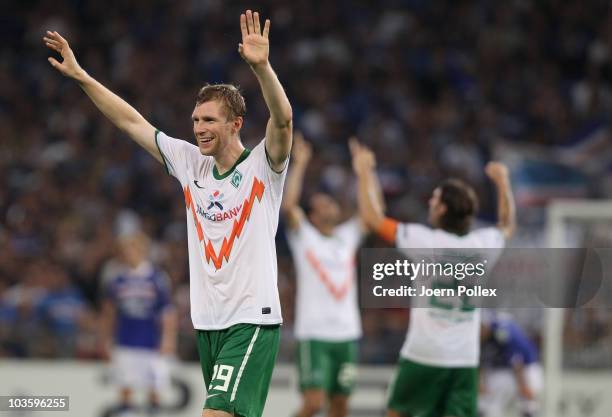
x=242 y=157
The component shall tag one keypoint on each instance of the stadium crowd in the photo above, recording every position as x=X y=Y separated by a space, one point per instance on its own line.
x=436 y=88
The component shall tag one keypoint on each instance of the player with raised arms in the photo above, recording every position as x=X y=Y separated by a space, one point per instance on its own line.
x=327 y=324
x=437 y=374
x=232 y=198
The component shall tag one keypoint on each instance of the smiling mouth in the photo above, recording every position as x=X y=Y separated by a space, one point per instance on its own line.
x=205 y=140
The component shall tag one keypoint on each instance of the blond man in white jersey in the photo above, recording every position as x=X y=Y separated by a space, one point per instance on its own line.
x=327 y=324
x=437 y=373
x=232 y=198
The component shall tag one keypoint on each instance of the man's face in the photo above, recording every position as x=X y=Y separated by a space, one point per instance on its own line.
x=324 y=208
x=211 y=127
x=436 y=207
x=134 y=249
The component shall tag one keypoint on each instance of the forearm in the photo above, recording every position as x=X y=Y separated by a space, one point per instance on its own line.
x=369 y=200
x=505 y=208
x=120 y=113
x=293 y=186
x=274 y=95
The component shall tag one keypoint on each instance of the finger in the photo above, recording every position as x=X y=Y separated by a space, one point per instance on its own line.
x=249 y=20
x=51 y=35
x=243 y=26
x=54 y=47
x=54 y=63
x=50 y=40
x=256 y=23
x=60 y=38
x=240 y=49
x=266 y=29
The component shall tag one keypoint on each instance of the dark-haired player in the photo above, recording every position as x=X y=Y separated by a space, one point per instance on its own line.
x=437 y=374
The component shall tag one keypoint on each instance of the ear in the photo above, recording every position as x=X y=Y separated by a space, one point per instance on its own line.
x=237 y=124
x=442 y=209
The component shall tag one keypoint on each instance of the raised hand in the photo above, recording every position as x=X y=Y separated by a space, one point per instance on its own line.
x=255 y=47
x=363 y=158
x=302 y=150
x=69 y=66
x=497 y=172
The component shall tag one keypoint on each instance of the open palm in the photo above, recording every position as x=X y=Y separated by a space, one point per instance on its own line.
x=69 y=65
x=255 y=47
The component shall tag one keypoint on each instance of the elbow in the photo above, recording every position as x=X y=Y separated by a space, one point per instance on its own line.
x=285 y=208
x=285 y=119
x=289 y=209
x=371 y=220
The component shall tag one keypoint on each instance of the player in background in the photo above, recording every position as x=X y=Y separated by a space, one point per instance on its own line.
x=327 y=324
x=138 y=323
x=510 y=368
x=437 y=374
x=232 y=198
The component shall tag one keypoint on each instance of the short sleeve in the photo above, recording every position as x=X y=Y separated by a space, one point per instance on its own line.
x=107 y=288
x=413 y=235
x=276 y=180
x=164 y=291
x=296 y=236
x=175 y=153
x=490 y=238
x=352 y=231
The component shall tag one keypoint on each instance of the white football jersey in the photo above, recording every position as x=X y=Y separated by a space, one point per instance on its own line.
x=231 y=224
x=326 y=306
x=441 y=336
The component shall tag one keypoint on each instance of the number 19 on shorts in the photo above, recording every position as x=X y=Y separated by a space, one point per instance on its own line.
x=222 y=375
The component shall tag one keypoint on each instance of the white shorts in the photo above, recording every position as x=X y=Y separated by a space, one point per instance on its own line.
x=502 y=391
x=140 y=369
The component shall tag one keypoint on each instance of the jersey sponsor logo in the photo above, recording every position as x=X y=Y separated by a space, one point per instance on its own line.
x=214 y=200
x=219 y=216
x=197 y=185
x=257 y=191
x=338 y=292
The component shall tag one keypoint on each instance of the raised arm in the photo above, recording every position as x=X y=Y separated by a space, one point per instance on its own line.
x=506 y=214
x=301 y=154
x=120 y=113
x=255 y=49
x=369 y=195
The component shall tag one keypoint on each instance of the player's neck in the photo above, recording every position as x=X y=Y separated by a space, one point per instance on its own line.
x=226 y=159
x=136 y=265
x=326 y=229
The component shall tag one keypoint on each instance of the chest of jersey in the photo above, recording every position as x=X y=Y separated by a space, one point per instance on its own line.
x=225 y=209
x=136 y=297
x=219 y=201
